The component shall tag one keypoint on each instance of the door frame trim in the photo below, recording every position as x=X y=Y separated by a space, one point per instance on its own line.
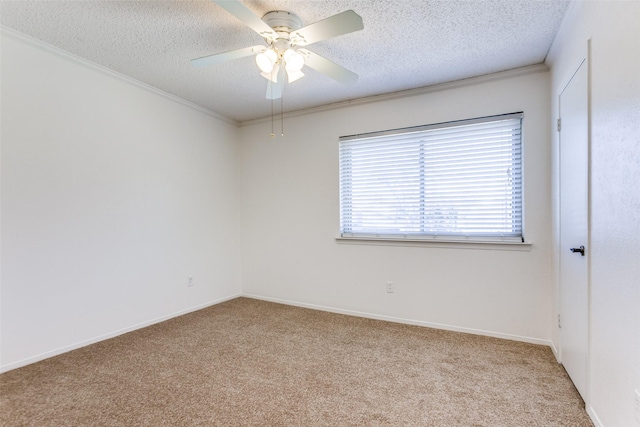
x=585 y=59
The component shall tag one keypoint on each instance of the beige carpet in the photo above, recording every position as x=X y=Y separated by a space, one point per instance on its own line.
x=253 y=363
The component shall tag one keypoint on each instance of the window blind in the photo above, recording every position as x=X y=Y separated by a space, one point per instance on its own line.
x=458 y=179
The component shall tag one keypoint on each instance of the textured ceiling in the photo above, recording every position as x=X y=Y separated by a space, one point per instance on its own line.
x=405 y=44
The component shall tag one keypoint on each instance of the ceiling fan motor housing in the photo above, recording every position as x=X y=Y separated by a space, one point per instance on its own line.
x=282 y=21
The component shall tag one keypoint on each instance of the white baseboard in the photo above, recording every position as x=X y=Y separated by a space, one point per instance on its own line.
x=34 y=359
x=555 y=351
x=594 y=417
x=405 y=321
x=39 y=357
x=5 y=368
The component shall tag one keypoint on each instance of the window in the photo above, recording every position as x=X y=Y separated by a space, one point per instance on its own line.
x=451 y=181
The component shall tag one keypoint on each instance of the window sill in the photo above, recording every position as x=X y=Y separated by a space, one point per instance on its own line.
x=440 y=243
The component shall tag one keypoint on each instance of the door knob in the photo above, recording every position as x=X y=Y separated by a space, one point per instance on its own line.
x=580 y=250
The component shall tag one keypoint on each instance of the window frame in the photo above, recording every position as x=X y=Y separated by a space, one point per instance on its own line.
x=462 y=239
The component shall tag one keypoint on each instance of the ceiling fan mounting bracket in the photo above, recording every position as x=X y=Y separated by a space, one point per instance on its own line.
x=282 y=21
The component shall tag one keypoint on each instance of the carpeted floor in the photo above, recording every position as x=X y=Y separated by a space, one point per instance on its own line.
x=253 y=363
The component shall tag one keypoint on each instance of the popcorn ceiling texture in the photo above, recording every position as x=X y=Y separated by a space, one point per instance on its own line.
x=405 y=44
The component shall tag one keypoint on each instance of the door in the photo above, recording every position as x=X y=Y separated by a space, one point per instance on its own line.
x=574 y=162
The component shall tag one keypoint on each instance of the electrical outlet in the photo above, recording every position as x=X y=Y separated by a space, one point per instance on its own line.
x=390 y=287
x=189 y=281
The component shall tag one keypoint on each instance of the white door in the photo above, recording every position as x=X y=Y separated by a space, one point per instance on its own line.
x=574 y=294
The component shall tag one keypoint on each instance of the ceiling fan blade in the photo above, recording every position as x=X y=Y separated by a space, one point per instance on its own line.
x=244 y=14
x=226 y=56
x=331 y=69
x=274 y=90
x=336 y=25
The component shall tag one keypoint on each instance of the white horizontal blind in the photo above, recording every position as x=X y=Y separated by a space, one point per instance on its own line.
x=460 y=179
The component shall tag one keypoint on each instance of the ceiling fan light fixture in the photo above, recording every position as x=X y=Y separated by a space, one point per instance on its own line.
x=272 y=75
x=285 y=37
x=292 y=76
x=294 y=61
x=266 y=60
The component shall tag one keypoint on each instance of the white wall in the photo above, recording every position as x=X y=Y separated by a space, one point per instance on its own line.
x=290 y=208
x=614 y=354
x=112 y=195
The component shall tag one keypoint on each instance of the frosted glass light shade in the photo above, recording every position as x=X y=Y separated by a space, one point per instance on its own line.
x=292 y=76
x=294 y=61
x=272 y=75
x=266 y=60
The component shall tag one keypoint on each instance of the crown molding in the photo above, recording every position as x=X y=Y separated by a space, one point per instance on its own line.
x=563 y=31
x=39 y=44
x=516 y=72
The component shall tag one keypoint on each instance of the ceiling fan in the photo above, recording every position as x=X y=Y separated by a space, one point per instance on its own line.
x=283 y=56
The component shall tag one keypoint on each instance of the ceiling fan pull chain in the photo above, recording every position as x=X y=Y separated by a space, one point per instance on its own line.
x=272 y=135
x=282 y=117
